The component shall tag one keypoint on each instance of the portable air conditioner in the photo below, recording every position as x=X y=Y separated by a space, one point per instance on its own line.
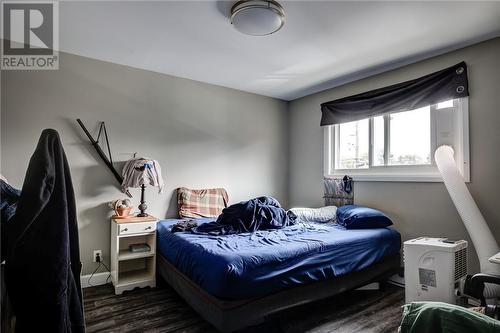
x=434 y=268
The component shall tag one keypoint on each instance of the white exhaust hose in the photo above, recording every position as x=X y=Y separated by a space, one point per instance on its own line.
x=479 y=232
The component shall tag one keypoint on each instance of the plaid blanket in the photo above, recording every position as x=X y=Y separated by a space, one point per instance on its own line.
x=201 y=203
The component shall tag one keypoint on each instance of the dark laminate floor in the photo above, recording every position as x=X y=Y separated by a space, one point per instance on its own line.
x=162 y=310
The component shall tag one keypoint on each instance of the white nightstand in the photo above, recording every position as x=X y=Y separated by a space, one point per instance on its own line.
x=133 y=269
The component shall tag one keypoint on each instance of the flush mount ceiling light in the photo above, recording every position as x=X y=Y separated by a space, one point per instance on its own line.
x=257 y=17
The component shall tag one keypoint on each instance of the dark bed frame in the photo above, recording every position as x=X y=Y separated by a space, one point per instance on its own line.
x=229 y=316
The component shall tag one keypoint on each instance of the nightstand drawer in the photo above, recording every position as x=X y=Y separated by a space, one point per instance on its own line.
x=136 y=228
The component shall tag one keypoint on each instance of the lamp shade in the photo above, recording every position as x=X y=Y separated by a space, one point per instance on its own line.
x=141 y=171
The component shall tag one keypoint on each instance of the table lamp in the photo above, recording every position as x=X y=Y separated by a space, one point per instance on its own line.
x=139 y=172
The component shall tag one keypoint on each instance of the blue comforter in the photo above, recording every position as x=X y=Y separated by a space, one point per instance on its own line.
x=247 y=265
x=260 y=213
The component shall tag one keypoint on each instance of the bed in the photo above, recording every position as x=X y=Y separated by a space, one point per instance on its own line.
x=235 y=281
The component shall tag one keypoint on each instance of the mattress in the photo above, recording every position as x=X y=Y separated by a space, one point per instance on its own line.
x=245 y=266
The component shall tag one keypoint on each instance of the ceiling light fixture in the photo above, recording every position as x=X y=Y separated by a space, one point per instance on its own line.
x=257 y=17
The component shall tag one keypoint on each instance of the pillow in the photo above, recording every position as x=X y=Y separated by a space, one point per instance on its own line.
x=201 y=203
x=358 y=217
x=320 y=215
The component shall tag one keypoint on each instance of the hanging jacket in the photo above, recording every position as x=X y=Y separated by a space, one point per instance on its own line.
x=139 y=171
x=43 y=260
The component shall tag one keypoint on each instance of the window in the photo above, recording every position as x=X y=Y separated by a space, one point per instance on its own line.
x=353 y=152
x=410 y=137
x=399 y=146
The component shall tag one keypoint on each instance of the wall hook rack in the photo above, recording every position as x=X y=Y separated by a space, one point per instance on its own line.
x=102 y=155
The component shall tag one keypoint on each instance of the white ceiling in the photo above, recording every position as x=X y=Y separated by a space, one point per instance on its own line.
x=323 y=44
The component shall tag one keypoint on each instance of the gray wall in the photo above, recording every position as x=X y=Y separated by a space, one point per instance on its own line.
x=202 y=135
x=205 y=136
x=418 y=209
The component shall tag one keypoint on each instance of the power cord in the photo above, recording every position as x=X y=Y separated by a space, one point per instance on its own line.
x=100 y=263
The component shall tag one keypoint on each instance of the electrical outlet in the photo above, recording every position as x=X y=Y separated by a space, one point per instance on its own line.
x=97 y=252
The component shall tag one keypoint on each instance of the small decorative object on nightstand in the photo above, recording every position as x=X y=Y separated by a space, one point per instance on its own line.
x=121 y=208
x=129 y=268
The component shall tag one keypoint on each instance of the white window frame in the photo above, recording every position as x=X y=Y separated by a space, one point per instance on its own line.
x=409 y=173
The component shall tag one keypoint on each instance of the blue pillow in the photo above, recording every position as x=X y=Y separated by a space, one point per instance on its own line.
x=358 y=217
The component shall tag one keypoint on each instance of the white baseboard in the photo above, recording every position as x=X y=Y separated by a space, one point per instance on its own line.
x=97 y=280
x=371 y=286
x=397 y=280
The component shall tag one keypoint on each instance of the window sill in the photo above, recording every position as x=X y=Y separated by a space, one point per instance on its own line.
x=411 y=178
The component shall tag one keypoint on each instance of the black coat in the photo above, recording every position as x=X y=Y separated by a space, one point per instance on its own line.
x=43 y=258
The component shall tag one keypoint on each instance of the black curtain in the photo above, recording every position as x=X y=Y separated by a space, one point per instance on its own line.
x=433 y=88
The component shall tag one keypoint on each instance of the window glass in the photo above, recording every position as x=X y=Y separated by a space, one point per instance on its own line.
x=445 y=104
x=378 y=141
x=410 y=137
x=353 y=145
